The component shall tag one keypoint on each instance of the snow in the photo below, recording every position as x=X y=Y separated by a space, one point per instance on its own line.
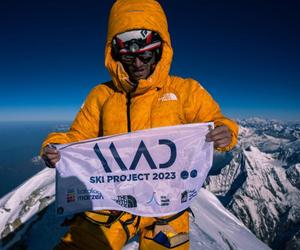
x=260 y=185
x=267 y=154
x=21 y=204
x=213 y=227
x=41 y=185
x=219 y=224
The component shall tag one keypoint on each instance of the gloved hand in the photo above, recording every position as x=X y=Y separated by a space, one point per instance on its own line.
x=221 y=136
x=51 y=156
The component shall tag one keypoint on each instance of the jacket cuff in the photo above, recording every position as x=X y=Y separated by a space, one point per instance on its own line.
x=230 y=146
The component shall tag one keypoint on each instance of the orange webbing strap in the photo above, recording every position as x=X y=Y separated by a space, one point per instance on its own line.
x=103 y=218
x=164 y=221
x=107 y=218
x=128 y=222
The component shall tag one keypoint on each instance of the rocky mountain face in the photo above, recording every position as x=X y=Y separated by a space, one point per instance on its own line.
x=28 y=211
x=259 y=181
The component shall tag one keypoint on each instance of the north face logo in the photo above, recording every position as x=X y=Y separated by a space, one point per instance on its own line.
x=168 y=97
x=127 y=201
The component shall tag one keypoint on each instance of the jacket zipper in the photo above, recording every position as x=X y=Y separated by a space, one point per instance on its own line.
x=128 y=103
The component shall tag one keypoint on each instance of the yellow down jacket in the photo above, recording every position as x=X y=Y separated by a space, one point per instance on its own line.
x=160 y=100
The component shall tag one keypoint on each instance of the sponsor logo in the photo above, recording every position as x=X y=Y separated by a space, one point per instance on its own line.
x=141 y=151
x=184 y=174
x=194 y=173
x=83 y=194
x=164 y=201
x=89 y=194
x=168 y=97
x=153 y=199
x=127 y=201
x=192 y=194
x=184 y=196
x=188 y=195
x=71 y=196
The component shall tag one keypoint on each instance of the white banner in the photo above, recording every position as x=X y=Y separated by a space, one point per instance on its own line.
x=154 y=172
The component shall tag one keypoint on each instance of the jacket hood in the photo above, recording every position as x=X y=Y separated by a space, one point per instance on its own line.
x=136 y=14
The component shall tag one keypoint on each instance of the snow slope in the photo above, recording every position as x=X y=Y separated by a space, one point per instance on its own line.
x=21 y=213
x=261 y=182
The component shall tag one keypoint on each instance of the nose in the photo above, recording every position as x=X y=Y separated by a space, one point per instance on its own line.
x=137 y=62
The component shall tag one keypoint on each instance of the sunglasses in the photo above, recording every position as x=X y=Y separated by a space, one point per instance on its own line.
x=145 y=57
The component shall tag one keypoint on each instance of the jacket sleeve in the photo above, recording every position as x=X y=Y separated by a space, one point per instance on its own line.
x=199 y=106
x=87 y=123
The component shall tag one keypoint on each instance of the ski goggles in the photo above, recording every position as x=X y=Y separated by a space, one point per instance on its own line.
x=145 y=57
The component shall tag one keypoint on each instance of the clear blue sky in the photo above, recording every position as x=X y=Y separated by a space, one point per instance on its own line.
x=246 y=53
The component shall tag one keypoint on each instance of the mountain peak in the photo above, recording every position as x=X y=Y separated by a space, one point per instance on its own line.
x=260 y=184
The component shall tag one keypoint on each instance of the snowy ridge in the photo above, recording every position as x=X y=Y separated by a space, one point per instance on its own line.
x=261 y=182
x=212 y=228
x=18 y=206
x=258 y=182
x=213 y=221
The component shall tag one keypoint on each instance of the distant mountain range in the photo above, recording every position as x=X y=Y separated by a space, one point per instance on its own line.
x=259 y=181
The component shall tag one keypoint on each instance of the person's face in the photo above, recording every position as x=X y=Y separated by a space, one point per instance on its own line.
x=139 y=65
